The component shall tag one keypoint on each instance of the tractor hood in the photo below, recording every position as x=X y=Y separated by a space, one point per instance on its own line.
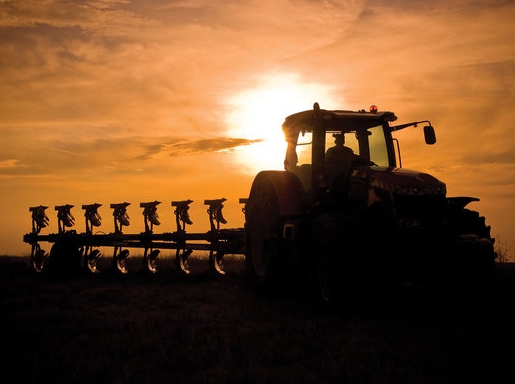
x=400 y=180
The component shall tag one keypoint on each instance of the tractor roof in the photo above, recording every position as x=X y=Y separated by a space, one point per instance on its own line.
x=336 y=120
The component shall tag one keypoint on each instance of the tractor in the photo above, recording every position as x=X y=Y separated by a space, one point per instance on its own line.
x=349 y=215
x=342 y=214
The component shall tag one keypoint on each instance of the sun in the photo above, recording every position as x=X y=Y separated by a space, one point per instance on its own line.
x=258 y=114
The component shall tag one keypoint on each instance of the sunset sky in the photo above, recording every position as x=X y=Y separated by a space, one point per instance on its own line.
x=119 y=100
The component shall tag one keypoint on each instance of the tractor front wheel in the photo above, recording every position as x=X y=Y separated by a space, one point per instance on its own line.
x=472 y=251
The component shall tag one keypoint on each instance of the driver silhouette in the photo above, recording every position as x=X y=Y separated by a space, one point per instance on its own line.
x=339 y=153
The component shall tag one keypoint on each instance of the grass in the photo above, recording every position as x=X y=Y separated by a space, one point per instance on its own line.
x=204 y=329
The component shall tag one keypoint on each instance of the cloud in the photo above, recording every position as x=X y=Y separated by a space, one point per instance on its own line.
x=187 y=147
x=178 y=55
x=9 y=163
x=72 y=152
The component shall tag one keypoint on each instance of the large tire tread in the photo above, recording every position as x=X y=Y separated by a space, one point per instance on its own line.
x=265 y=211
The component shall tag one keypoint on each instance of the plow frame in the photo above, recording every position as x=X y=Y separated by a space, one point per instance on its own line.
x=217 y=241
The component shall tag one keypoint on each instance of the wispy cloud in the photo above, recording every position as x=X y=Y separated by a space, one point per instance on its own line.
x=10 y=164
x=187 y=147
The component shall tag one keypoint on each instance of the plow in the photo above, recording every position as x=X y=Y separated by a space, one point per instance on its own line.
x=72 y=251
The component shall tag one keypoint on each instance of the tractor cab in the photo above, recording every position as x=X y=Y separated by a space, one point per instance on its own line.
x=322 y=145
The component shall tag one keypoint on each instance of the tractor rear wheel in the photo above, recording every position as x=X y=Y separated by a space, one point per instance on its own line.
x=335 y=272
x=263 y=230
x=271 y=261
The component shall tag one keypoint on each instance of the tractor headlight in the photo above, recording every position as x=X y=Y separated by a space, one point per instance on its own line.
x=417 y=191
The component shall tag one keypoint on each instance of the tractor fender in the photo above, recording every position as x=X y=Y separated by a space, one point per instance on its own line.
x=460 y=202
x=288 y=191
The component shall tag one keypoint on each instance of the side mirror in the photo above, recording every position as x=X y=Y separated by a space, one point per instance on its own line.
x=429 y=134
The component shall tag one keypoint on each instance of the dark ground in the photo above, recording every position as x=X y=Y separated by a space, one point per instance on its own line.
x=165 y=328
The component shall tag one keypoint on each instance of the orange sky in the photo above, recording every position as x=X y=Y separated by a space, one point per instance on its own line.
x=119 y=100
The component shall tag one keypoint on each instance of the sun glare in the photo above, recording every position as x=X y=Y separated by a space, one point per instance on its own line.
x=257 y=115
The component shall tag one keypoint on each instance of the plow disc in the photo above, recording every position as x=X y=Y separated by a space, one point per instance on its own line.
x=181 y=260
x=37 y=258
x=72 y=251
